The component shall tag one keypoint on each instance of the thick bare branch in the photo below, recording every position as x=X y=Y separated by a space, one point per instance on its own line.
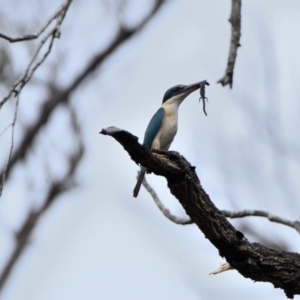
x=235 y=20
x=252 y=260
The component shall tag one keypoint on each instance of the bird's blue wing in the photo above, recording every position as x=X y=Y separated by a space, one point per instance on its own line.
x=153 y=127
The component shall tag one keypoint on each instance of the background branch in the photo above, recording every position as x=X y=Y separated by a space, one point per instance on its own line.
x=260 y=213
x=61 y=11
x=12 y=125
x=226 y=213
x=62 y=96
x=56 y=188
x=235 y=20
x=163 y=209
x=17 y=87
x=57 y=98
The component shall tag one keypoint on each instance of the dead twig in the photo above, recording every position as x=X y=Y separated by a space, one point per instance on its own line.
x=228 y=214
x=12 y=125
x=17 y=87
x=28 y=37
x=163 y=209
x=56 y=188
x=264 y=214
x=62 y=96
x=235 y=20
x=224 y=267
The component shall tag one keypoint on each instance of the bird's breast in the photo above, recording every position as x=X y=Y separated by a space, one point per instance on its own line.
x=167 y=130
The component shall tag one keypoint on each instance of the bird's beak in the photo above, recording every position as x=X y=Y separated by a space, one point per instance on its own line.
x=192 y=87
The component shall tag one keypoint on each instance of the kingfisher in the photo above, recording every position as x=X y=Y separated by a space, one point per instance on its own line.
x=162 y=128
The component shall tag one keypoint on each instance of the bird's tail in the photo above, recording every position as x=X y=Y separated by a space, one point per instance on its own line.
x=139 y=182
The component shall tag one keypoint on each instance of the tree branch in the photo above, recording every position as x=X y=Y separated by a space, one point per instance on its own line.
x=17 y=87
x=260 y=213
x=62 y=96
x=62 y=9
x=56 y=188
x=13 y=125
x=22 y=236
x=226 y=213
x=163 y=209
x=235 y=20
x=252 y=260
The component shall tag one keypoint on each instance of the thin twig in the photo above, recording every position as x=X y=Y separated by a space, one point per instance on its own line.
x=56 y=188
x=5 y=129
x=163 y=209
x=226 y=213
x=13 y=125
x=235 y=20
x=62 y=96
x=54 y=33
x=17 y=87
x=28 y=37
x=260 y=213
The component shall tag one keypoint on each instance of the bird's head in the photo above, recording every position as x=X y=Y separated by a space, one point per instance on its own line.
x=179 y=92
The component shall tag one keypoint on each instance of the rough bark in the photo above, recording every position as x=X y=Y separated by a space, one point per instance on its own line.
x=251 y=260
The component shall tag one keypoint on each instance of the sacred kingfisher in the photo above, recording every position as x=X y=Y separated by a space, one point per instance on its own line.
x=162 y=127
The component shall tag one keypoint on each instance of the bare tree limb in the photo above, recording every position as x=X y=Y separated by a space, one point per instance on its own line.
x=162 y=208
x=251 y=260
x=226 y=213
x=17 y=87
x=235 y=20
x=13 y=124
x=62 y=8
x=62 y=96
x=260 y=213
x=57 y=187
